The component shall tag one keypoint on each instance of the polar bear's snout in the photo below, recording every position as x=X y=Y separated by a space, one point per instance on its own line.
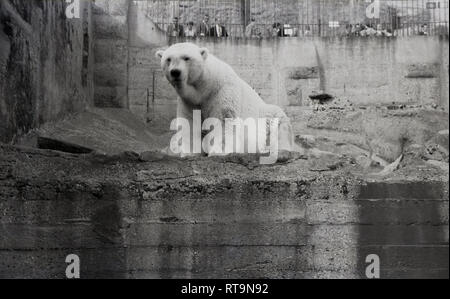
x=175 y=73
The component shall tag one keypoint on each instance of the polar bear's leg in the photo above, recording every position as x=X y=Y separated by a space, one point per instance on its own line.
x=213 y=141
x=218 y=148
x=231 y=134
x=285 y=130
x=185 y=114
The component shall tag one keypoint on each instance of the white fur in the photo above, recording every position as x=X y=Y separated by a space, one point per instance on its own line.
x=212 y=86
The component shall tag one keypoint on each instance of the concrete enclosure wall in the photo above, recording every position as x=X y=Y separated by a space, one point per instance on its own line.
x=111 y=53
x=45 y=64
x=287 y=71
x=364 y=71
x=208 y=219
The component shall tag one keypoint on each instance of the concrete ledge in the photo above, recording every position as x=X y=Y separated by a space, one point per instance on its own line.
x=208 y=218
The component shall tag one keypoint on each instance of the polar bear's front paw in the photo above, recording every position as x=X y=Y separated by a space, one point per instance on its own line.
x=216 y=151
x=189 y=155
x=170 y=153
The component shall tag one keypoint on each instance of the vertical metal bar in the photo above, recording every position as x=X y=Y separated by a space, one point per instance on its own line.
x=274 y=11
x=432 y=21
x=182 y=13
x=319 y=18
x=229 y=18
x=446 y=17
x=435 y=21
x=306 y=16
x=302 y=21
x=330 y=16
x=297 y=9
x=439 y=17
x=416 y=15
x=148 y=99
x=408 y=18
x=432 y=18
x=402 y=22
x=413 y=17
x=215 y=9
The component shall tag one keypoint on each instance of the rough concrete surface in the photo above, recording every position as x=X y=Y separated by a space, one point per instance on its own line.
x=46 y=64
x=106 y=131
x=387 y=131
x=216 y=218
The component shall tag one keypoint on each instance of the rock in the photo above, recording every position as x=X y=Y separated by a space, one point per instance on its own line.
x=107 y=131
x=124 y=157
x=154 y=157
x=321 y=97
x=306 y=141
x=326 y=161
x=368 y=164
x=442 y=138
x=392 y=167
x=62 y=146
x=423 y=71
x=436 y=152
x=289 y=156
x=302 y=73
x=442 y=165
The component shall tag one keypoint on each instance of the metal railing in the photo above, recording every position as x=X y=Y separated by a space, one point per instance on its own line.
x=303 y=17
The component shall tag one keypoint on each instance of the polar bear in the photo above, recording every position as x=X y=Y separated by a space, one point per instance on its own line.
x=204 y=82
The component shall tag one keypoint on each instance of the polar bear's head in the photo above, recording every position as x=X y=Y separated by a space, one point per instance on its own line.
x=183 y=63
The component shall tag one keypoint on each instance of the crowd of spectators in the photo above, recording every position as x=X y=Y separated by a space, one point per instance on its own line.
x=368 y=30
x=203 y=29
x=217 y=29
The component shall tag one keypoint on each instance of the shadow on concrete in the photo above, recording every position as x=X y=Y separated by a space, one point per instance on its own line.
x=406 y=225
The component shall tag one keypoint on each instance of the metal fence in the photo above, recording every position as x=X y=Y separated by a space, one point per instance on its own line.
x=303 y=17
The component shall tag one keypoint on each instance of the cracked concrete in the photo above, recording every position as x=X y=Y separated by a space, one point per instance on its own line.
x=210 y=218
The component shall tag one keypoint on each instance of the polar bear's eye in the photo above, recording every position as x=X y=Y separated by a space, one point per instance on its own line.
x=186 y=58
x=169 y=60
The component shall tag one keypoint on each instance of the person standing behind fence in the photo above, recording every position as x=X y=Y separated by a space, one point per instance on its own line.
x=382 y=32
x=204 y=28
x=175 y=29
x=308 y=31
x=356 y=30
x=190 y=30
x=250 y=30
x=371 y=31
x=218 y=30
x=423 y=29
x=277 y=30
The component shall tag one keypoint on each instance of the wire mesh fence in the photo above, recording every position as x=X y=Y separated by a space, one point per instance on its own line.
x=269 y=18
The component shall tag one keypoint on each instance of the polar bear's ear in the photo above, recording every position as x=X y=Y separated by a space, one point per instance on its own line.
x=204 y=52
x=159 y=54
